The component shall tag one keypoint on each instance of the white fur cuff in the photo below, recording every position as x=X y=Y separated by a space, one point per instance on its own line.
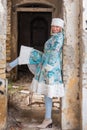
x=24 y=55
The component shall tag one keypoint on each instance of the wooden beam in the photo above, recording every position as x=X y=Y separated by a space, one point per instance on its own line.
x=34 y=9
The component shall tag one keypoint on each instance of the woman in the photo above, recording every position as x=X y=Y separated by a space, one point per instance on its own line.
x=47 y=75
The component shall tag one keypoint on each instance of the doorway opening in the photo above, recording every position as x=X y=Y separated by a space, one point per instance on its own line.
x=33 y=31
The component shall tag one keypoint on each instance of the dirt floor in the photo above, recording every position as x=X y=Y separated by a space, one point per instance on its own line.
x=21 y=115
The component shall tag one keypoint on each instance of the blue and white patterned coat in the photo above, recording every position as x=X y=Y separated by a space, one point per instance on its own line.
x=48 y=77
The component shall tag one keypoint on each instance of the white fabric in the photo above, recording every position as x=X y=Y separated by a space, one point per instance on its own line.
x=49 y=67
x=24 y=55
x=57 y=22
x=32 y=68
x=48 y=90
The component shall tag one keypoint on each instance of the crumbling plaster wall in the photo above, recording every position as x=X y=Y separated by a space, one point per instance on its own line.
x=84 y=65
x=2 y=38
x=71 y=101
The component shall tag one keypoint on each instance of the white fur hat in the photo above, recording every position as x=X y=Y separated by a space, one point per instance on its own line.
x=57 y=22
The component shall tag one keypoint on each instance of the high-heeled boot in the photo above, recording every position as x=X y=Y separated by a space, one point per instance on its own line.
x=47 y=123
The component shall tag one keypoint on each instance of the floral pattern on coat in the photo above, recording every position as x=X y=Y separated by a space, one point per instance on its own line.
x=49 y=63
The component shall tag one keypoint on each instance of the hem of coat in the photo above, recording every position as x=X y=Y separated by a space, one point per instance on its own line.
x=51 y=91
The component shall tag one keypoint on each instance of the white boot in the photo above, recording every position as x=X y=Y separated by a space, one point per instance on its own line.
x=8 y=67
x=47 y=123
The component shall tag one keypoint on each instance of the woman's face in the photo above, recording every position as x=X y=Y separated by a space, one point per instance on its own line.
x=56 y=29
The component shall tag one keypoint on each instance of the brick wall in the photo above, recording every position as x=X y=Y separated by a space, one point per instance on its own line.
x=8 y=38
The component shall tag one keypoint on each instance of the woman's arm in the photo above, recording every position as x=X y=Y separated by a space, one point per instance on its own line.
x=54 y=55
x=58 y=41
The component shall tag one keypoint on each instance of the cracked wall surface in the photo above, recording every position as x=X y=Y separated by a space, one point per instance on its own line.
x=71 y=101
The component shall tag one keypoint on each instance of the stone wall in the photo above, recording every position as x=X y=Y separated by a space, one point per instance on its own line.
x=71 y=101
x=3 y=82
